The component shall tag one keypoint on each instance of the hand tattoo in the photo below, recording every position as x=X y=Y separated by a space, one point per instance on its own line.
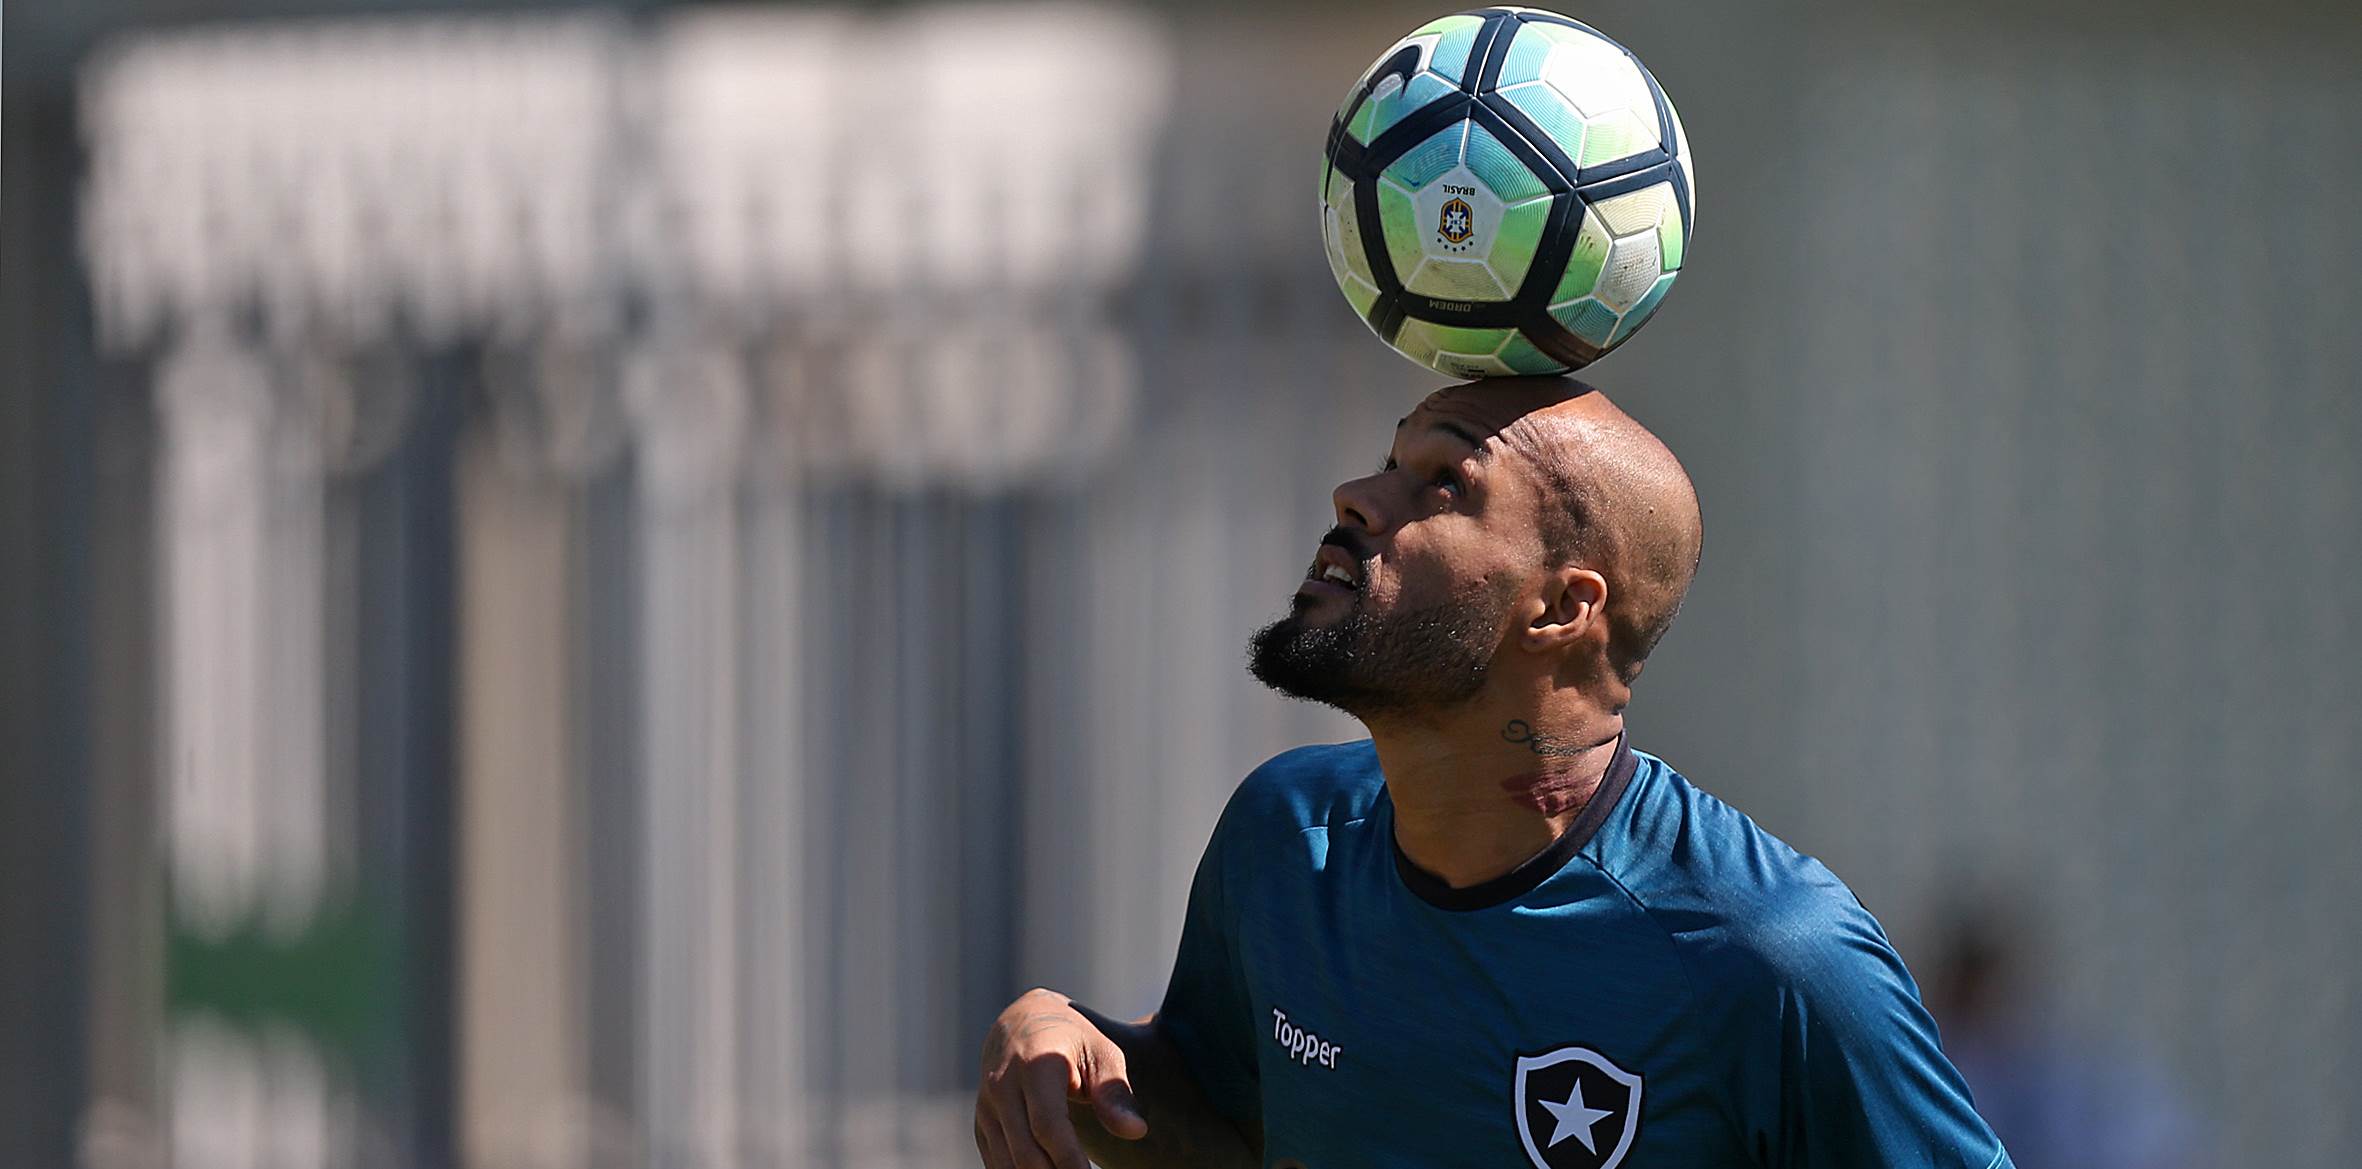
x=1023 y=1027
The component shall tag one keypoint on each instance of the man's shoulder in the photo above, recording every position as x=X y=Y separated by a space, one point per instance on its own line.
x=1308 y=787
x=1742 y=904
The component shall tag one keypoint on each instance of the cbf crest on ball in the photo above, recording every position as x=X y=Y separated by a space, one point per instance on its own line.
x=1506 y=191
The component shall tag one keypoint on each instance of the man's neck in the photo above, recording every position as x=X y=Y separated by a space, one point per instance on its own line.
x=1481 y=794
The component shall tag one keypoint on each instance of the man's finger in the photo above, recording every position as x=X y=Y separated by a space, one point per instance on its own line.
x=1118 y=1112
x=990 y=1148
x=1009 y=1111
x=1046 y=1085
x=1108 y=1082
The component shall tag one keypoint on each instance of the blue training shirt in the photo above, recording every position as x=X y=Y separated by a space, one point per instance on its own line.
x=1666 y=987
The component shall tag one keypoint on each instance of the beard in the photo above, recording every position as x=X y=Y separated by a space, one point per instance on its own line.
x=1421 y=658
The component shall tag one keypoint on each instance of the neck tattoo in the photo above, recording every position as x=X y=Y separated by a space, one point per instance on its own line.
x=1555 y=787
x=1520 y=732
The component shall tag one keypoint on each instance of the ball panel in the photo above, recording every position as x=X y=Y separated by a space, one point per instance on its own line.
x=1341 y=239
x=1425 y=89
x=1426 y=162
x=1529 y=52
x=1583 y=267
x=1450 y=60
x=1332 y=244
x=1551 y=33
x=1552 y=113
x=1436 y=27
x=1595 y=75
x=1392 y=101
x=1632 y=266
x=1669 y=241
x=1415 y=343
x=1586 y=318
x=1458 y=223
x=1471 y=365
x=1398 y=217
x=1632 y=211
x=1621 y=134
x=1517 y=240
x=1461 y=352
x=1455 y=280
x=1641 y=312
x=1521 y=356
x=1451 y=338
x=1498 y=170
x=1340 y=234
x=1468 y=353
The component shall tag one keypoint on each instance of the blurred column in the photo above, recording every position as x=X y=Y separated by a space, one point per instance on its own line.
x=776 y=928
x=537 y=942
x=126 y=983
x=689 y=410
x=520 y=1011
x=245 y=793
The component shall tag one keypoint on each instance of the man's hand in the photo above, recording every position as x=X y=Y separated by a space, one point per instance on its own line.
x=1041 y=1054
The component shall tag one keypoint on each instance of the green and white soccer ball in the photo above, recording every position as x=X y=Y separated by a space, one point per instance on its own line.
x=1506 y=191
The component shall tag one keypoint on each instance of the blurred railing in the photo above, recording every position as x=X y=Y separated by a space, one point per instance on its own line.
x=669 y=283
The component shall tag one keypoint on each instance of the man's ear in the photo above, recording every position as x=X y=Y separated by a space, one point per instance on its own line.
x=1573 y=607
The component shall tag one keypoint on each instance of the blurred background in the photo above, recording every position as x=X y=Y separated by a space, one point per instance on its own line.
x=602 y=586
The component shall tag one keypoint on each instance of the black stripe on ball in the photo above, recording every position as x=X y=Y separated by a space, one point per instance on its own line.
x=1481 y=48
x=1463 y=314
x=1608 y=188
x=1557 y=342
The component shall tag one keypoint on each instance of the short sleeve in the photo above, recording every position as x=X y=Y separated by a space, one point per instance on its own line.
x=1206 y=1012
x=1864 y=1084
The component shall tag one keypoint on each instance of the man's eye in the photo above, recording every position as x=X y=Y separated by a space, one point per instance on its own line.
x=1448 y=480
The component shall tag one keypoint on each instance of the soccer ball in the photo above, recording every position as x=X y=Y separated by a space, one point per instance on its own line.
x=1505 y=191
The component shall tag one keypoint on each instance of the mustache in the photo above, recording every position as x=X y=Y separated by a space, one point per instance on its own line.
x=1346 y=539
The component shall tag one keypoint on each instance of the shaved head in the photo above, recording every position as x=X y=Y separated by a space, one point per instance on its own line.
x=1615 y=500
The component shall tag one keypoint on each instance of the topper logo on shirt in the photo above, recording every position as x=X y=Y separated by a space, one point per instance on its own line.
x=1302 y=1046
x=1575 y=1109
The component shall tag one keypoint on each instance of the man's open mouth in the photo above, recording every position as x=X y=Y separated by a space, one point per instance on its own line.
x=1335 y=566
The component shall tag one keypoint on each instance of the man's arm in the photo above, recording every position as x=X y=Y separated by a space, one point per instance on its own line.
x=1862 y=1081
x=1060 y=1079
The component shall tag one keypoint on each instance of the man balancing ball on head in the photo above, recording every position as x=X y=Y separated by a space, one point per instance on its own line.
x=1494 y=933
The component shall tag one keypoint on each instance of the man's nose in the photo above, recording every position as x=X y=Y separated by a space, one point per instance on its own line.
x=1359 y=504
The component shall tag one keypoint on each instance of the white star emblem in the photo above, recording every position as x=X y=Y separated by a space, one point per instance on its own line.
x=1575 y=1119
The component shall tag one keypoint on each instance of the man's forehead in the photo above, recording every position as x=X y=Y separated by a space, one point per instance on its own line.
x=1477 y=411
x=1473 y=430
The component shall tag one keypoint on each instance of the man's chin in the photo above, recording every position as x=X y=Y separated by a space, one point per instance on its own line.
x=1332 y=650
x=1304 y=656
